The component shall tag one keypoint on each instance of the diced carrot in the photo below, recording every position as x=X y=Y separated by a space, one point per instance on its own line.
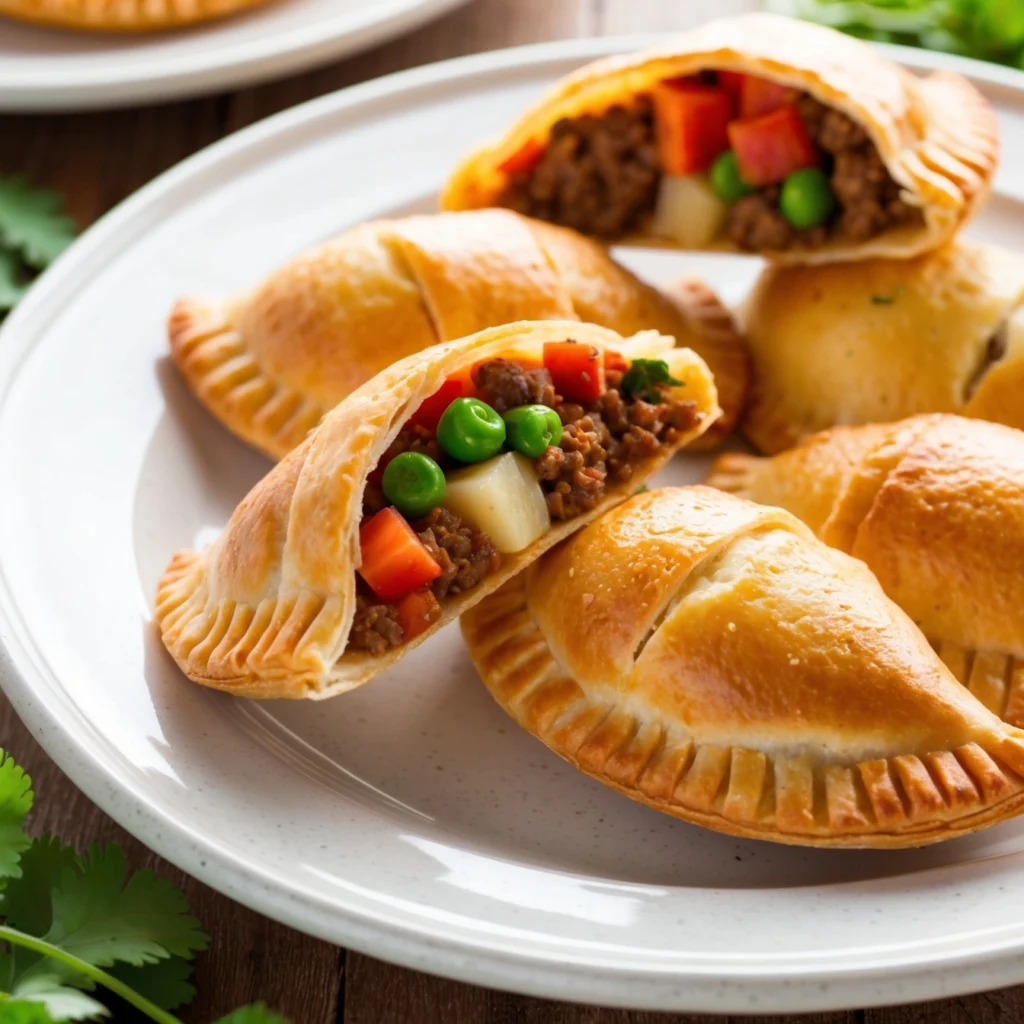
x=524 y=159
x=691 y=122
x=615 y=361
x=430 y=409
x=394 y=560
x=771 y=147
x=761 y=96
x=417 y=612
x=577 y=371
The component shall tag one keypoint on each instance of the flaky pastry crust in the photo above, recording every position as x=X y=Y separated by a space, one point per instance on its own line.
x=935 y=506
x=269 y=365
x=122 y=15
x=937 y=136
x=265 y=610
x=709 y=657
x=879 y=340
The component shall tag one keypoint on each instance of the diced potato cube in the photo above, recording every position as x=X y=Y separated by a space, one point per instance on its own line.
x=502 y=497
x=688 y=210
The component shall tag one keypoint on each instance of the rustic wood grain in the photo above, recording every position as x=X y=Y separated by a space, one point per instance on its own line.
x=98 y=159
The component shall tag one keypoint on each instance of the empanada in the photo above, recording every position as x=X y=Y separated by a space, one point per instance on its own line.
x=878 y=340
x=122 y=15
x=935 y=506
x=273 y=607
x=757 y=133
x=270 y=364
x=709 y=657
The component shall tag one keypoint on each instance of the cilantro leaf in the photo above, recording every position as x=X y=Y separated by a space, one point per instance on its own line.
x=23 y=1013
x=257 y=1013
x=641 y=380
x=12 y=280
x=33 y=222
x=15 y=803
x=26 y=903
x=887 y=300
x=60 y=1001
x=167 y=982
x=101 y=919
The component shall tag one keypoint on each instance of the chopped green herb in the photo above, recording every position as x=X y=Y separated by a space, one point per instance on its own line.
x=642 y=379
x=887 y=300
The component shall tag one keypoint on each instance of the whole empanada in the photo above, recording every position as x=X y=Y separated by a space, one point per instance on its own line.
x=878 y=340
x=271 y=363
x=268 y=609
x=625 y=148
x=935 y=506
x=709 y=657
x=122 y=15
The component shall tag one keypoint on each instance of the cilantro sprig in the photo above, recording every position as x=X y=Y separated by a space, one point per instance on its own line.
x=72 y=926
x=34 y=231
x=644 y=376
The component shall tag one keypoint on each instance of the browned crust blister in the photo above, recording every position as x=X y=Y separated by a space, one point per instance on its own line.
x=122 y=15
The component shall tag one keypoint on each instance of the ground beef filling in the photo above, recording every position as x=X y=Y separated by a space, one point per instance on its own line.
x=600 y=442
x=599 y=174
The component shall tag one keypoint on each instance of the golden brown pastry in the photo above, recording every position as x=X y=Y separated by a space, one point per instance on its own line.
x=271 y=363
x=935 y=506
x=273 y=608
x=709 y=657
x=122 y=15
x=879 y=340
x=837 y=153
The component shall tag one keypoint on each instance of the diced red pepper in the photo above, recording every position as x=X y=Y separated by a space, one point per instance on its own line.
x=431 y=408
x=731 y=82
x=577 y=371
x=761 y=96
x=691 y=122
x=524 y=159
x=417 y=612
x=394 y=560
x=771 y=147
x=615 y=361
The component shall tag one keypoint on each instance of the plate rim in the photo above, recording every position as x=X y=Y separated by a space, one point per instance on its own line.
x=226 y=67
x=53 y=723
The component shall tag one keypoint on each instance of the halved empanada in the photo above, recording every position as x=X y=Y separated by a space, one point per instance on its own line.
x=879 y=340
x=273 y=607
x=709 y=657
x=836 y=152
x=935 y=506
x=270 y=364
x=122 y=15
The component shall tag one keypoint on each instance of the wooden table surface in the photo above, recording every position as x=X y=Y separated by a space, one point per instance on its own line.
x=98 y=159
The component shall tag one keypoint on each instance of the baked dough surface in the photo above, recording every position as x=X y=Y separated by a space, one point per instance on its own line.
x=122 y=15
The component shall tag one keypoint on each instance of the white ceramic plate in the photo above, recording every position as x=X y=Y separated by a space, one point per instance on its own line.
x=409 y=819
x=53 y=69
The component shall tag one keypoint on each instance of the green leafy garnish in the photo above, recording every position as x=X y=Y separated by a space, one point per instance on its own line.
x=887 y=300
x=34 y=231
x=72 y=925
x=641 y=380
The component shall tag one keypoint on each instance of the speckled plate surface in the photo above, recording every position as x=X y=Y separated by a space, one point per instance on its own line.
x=409 y=819
x=43 y=68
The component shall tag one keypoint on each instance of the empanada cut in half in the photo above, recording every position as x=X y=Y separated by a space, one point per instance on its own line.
x=756 y=133
x=271 y=363
x=934 y=505
x=880 y=340
x=122 y=15
x=319 y=582
x=711 y=658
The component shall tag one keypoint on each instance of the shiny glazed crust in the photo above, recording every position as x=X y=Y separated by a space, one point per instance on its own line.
x=937 y=136
x=935 y=506
x=269 y=365
x=265 y=611
x=122 y=15
x=709 y=657
x=879 y=340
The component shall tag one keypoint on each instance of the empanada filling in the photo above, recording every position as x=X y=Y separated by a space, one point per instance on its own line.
x=485 y=465
x=995 y=349
x=711 y=156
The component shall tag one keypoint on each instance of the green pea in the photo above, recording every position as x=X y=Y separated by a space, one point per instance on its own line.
x=806 y=199
x=726 y=180
x=470 y=430
x=532 y=429
x=414 y=484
